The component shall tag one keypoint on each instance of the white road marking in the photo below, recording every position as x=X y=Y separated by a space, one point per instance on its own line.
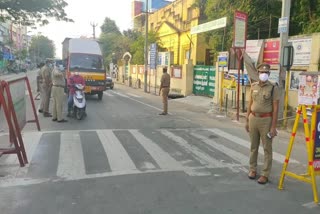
x=276 y=156
x=134 y=95
x=118 y=157
x=163 y=159
x=71 y=162
x=108 y=94
x=202 y=157
x=311 y=205
x=120 y=94
x=31 y=141
x=151 y=106
x=243 y=159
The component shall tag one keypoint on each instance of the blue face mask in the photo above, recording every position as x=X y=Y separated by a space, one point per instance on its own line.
x=50 y=65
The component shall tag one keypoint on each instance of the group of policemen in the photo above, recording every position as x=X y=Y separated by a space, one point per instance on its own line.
x=52 y=83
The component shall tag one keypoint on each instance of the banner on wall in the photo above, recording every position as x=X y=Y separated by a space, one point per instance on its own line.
x=308 y=93
x=271 y=52
x=294 y=80
x=302 y=51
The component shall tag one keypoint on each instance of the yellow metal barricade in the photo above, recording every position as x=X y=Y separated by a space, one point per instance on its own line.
x=309 y=177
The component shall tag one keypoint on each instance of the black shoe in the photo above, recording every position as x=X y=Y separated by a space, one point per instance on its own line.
x=40 y=111
x=163 y=113
x=55 y=119
x=62 y=121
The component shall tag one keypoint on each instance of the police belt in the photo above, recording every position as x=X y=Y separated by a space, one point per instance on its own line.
x=268 y=114
x=60 y=86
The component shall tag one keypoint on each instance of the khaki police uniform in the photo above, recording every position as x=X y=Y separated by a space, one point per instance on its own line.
x=46 y=73
x=262 y=96
x=39 y=86
x=58 y=85
x=165 y=83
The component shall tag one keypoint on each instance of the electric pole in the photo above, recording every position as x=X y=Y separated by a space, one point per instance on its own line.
x=146 y=49
x=94 y=25
x=285 y=13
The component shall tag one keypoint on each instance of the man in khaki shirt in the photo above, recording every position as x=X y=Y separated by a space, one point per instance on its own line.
x=58 y=85
x=46 y=72
x=39 y=86
x=165 y=88
x=262 y=119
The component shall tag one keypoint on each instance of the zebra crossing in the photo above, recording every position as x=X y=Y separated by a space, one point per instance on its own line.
x=85 y=154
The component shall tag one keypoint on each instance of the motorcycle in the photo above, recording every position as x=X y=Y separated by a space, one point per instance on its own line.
x=79 y=102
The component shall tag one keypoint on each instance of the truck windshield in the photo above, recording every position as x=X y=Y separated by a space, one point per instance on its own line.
x=86 y=61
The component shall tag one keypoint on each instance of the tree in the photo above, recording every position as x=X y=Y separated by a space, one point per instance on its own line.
x=27 y=12
x=305 y=17
x=137 y=47
x=41 y=47
x=114 y=43
x=109 y=26
x=259 y=13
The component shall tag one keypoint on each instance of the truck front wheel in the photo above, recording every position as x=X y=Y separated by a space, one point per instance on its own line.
x=100 y=94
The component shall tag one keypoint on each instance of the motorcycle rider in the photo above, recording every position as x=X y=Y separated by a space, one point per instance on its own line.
x=72 y=81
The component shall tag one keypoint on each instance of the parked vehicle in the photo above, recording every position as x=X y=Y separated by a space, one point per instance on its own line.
x=109 y=83
x=79 y=102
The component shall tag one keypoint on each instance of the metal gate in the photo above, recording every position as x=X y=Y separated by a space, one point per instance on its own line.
x=204 y=80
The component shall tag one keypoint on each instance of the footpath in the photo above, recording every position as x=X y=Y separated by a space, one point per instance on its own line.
x=206 y=105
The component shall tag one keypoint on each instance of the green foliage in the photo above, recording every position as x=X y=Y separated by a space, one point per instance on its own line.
x=28 y=12
x=41 y=47
x=262 y=18
x=260 y=12
x=305 y=16
x=137 y=47
x=114 y=43
x=109 y=26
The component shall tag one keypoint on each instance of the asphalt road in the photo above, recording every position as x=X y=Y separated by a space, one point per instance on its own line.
x=125 y=158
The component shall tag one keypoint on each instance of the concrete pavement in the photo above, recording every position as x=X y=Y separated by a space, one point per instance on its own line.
x=125 y=158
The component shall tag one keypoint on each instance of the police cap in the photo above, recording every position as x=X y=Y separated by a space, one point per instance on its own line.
x=263 y=67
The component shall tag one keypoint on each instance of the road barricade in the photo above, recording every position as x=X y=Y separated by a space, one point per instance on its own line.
x=13 y=103
x=312 y=137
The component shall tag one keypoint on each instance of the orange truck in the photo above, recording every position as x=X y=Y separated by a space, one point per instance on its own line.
x=85 y=55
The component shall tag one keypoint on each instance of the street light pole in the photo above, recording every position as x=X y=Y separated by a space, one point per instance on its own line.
x=146 y=49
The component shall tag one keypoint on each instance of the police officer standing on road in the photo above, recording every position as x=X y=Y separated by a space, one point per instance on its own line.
x=164 y=89
x=58 y=85
x=261 y=122
x=39 y=86
x=46 y=73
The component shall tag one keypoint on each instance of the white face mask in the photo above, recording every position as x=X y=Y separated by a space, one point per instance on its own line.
x=263 y=77
x=76 y=73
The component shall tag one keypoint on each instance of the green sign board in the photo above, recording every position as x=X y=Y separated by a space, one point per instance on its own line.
x=215 y=24
x=204 y=80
